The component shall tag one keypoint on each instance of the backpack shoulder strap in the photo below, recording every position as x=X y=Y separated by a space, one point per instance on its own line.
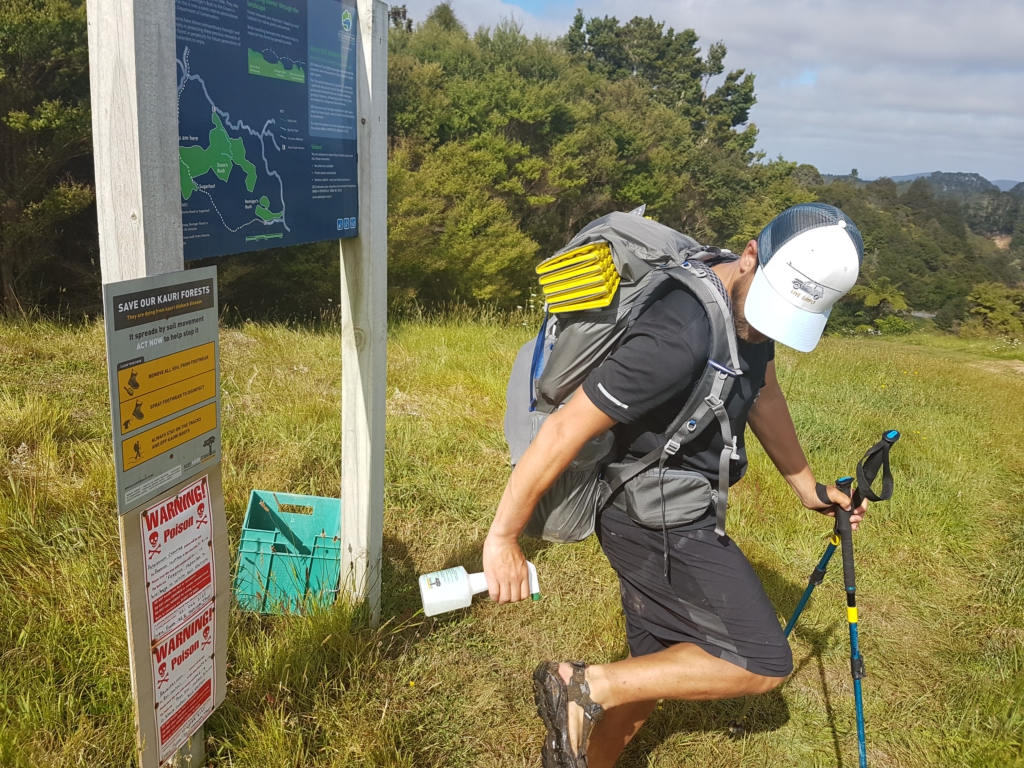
x=706 y=402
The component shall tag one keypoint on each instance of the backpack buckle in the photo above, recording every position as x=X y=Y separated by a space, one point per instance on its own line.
x=713 y=402
x=671 y=447
x=735 y=456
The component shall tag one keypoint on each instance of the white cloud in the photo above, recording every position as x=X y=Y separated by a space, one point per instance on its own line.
x=887 y=87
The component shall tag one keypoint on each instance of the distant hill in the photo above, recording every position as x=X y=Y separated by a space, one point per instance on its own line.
x=909 y=177
x=1003 y=185
x=956 y=186
x=985 y=208
x=959 y=185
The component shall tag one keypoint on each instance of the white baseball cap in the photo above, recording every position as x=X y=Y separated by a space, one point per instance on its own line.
x=808 y=258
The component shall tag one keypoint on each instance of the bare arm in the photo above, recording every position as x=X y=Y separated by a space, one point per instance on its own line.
x=772 y=424
x=560 y=438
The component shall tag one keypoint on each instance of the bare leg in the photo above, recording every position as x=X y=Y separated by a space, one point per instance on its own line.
x=618 y=728
x=684 y=671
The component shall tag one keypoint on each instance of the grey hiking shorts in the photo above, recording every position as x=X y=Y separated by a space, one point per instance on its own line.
x=712 y=597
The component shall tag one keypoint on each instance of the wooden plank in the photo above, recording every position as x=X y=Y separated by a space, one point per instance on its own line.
x=132 y=74
x=364 y=323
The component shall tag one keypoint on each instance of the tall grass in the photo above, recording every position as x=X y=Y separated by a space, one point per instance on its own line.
x=940 y=567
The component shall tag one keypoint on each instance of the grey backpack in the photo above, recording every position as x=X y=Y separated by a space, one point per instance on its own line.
x=650 y=259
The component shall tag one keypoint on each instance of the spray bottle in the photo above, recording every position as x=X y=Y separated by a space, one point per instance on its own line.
x=453 y=588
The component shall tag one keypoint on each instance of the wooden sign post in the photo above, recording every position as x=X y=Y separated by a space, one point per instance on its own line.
x=364 y=324
x=140 y=186
x=135 y=140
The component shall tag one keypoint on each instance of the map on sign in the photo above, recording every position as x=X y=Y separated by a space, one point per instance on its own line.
x=266 y=123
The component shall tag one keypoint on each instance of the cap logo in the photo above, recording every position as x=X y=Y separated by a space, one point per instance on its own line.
x=806 y=289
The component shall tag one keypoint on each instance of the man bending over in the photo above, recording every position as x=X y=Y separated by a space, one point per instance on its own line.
x=706 y=630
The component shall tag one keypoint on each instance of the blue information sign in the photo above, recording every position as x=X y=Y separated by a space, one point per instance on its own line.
x=266 y=123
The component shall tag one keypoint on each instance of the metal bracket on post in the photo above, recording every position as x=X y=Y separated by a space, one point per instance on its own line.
x=192 y=755
x=364 y=324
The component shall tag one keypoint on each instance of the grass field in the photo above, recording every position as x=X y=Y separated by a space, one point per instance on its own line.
x=940 y=567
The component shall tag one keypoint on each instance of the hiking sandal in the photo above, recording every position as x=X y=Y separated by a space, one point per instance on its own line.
x=552 y=697
x=593 y=713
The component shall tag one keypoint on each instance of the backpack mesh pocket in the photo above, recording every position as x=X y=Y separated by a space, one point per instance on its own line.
x=688 y=496
x=566 y=513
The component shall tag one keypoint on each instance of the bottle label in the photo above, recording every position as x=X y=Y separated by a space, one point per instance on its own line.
x=438 y=578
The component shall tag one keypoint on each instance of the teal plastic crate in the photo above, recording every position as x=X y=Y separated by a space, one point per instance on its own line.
x=287 y=559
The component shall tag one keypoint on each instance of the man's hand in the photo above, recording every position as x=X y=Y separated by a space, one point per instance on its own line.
x=840 y=499
x=508 y=579
x=552 y=450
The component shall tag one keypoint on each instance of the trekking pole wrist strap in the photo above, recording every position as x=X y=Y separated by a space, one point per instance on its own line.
x=876 y=458
x=821 y=491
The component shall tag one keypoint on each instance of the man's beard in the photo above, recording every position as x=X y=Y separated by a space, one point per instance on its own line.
x=738 y=297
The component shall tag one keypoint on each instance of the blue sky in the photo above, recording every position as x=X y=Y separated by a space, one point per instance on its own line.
x=888 y=87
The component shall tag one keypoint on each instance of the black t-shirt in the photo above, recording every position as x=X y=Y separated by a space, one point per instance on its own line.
x=645 y=382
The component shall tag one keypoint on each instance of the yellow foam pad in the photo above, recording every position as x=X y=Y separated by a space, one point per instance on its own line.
x=554 y=290
x=595 y=268
x=593 y=252
x=592 y=299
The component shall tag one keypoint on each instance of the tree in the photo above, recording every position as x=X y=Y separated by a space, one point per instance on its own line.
x=44 y=126
x=450 y=236
x=807 y=176
x=503 y=146
x=881 y=293
x=671 y=63
x=1000 y=308
x=398 y=16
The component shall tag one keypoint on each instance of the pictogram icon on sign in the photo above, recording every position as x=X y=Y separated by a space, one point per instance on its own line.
x=133 y=384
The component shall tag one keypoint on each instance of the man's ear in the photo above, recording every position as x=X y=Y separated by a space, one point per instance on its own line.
x=748 y=259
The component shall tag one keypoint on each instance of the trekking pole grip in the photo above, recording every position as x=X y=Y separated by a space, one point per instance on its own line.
x=843 y=528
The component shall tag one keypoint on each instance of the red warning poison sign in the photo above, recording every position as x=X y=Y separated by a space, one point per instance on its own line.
x=183 y=679
x=177 y=539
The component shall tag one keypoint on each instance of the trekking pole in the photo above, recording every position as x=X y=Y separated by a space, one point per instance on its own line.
x=849 y=580
x=876 y=457
x=817 y=575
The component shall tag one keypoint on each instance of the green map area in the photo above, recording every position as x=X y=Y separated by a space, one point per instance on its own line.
x=264 y=212
x=220 y=157
x=258 y=65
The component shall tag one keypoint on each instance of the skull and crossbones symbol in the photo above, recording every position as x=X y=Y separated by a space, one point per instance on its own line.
x=154 y=543
x=206 y=637
x=162 y=672
x=201 y=513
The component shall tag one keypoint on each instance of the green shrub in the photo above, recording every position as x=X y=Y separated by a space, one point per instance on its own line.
x=1000 y=308
x=893 y=325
